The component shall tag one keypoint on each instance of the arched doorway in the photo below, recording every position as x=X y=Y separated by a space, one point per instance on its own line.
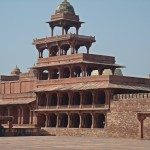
x=63 y=120
x=101 y=98
x=64 y=99
x=75 y=121
x=88 y=98
x=99 y=120
x=52 y=120
x=87 y=121
x=53 y=100
x=76 y=99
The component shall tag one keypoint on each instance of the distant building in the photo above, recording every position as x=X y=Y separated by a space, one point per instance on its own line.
x=69 y=93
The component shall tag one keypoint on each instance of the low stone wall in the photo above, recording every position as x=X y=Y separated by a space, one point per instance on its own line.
x=122 y=119
x=76 y=132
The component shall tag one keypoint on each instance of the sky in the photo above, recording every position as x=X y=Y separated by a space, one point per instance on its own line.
x=121 y=29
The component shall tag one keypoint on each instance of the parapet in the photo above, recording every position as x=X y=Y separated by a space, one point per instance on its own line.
x=131 y=96
x=9 y=78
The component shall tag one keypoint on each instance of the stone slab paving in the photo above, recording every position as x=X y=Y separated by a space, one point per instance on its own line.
x=71 y=143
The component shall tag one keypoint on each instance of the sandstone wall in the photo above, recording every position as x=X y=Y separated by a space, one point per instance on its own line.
x=122 y=119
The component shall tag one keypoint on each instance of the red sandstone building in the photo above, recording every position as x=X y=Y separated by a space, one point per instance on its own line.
x=73 y=93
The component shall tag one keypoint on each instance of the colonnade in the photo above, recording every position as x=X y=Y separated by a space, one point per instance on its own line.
x=92 y=98
x=68 y=72
x=72 y=120
x=22 y=114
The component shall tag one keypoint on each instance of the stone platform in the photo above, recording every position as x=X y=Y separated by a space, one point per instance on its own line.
x=71 y=143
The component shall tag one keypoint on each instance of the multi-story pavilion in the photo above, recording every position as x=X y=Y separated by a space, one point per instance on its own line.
x=72 y=93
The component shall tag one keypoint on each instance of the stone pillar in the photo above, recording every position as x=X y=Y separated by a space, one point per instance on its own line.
x=68 y=126
x=70 y=94
x=93 y=121
x=71 y=71
x=22 y=115
x=83 y=68
x=81 y=99
x=47 y=99
x=49 y=74
x=60 y=70
x=57 y=123
x=94 y=98
x=58 y=99
x=52 y=31
x=46 y=120
x=80 y=125
x=141 y=118
x=19 y=116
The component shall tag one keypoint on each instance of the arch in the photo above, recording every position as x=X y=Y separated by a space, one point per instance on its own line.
x=53 y=50
x=77 y=71
x=63 y=120
x=41 y=118
x=64 y=99
x=65 y=48
x=87 y=121
x=66 y=73
x=88 y=98
x=53 y=100
x=52 y=120
x=54 y=74
x=101 y=97
x=99 y=120
x=45 y=53
x=42 y=101
x=76 y=99
x=89 y=71
x=44 y=75
x=75 y=120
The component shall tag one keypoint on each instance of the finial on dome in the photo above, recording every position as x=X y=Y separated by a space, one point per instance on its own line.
x=16 y=71
x=65 y=7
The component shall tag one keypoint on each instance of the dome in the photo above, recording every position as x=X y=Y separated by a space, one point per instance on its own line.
x=118 y=72
x=16 y=71
x=65 y=7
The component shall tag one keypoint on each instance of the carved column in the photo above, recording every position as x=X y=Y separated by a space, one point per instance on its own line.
x=93 y=121
x=80 y=125
x=81 y=98
x=68 y=126
x=22 y=114
x=47 y=99
x=57 y=123
x=94 y=98
x=52 y=31
x=19 y=115
x=83 y=68
x=141 y=118
x=58 y=99
x=46 y=120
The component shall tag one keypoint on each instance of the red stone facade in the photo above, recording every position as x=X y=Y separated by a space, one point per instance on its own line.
x=67 y=93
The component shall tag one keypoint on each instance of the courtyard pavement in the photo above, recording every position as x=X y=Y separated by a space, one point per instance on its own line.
x=71 y=143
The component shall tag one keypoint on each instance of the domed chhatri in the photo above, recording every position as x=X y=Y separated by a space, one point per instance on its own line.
x=65 y=7
x=16 y=71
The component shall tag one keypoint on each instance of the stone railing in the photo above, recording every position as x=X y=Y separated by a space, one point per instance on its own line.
x=61 y=37
x=71 y=106
x=131 y=96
